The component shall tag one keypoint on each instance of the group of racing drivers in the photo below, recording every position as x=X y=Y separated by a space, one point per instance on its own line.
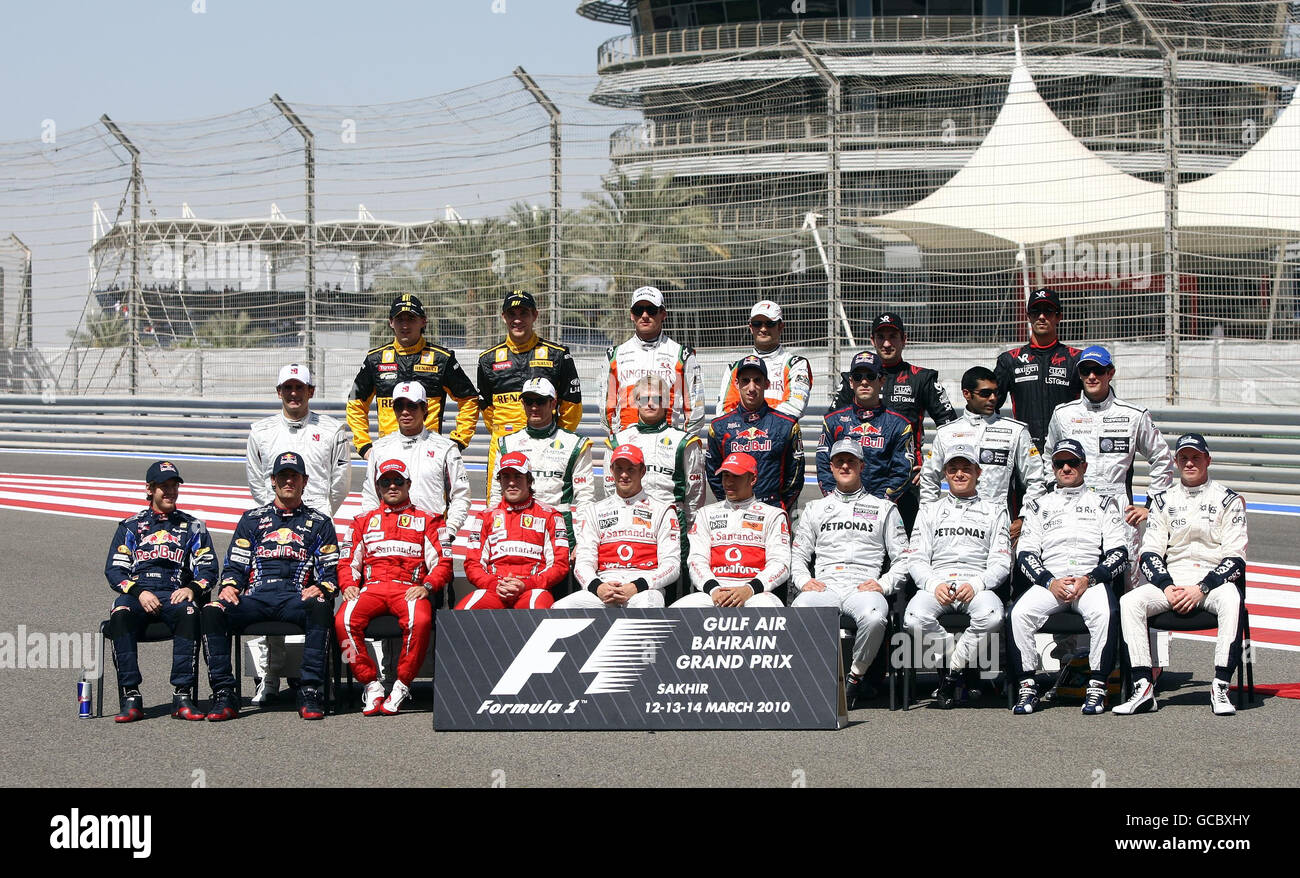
x=1076 y=541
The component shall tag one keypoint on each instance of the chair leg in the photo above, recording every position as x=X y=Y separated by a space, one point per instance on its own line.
x=237 y=644
x=99 y=686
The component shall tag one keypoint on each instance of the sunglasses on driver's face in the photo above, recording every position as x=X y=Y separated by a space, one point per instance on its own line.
x=642 y=310
x=985 y=392
x=389 y=481
x=1092 y=369
x=402 y=405
x=1071 y=462
x=761 y=324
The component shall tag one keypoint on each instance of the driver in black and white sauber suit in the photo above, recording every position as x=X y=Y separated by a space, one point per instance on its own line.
x=849 y=532
x=1073 y=550
x=627 y=550
x=740 y=547
x=960 y=552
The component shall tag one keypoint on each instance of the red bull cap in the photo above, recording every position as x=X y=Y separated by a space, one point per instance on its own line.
x=161 y=471
x=288 y=460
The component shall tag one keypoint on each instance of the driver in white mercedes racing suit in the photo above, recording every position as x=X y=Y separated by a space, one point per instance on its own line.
x=960 y=553
x=850 y=532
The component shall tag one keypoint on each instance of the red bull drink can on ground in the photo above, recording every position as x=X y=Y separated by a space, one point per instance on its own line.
x=83 y=698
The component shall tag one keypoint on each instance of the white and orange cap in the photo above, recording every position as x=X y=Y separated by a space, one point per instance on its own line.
x=766 y=308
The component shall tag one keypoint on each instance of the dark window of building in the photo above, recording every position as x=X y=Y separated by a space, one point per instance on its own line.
x=902 y=7
x=1035 y=7
x=742 y=10
x=710 y=13
x=952 y=7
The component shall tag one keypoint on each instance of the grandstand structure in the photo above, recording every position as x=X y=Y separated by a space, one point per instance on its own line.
x=872 y=113
x=931 y=157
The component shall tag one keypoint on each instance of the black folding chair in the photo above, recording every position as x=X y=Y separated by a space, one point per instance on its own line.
x=154 y=632
x=284 y=629
x=1201 y=620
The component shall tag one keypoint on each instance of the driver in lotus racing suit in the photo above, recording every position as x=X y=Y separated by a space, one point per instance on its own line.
x=627 y=551
x=740 y=547
x=961 y=552
x=850 y=533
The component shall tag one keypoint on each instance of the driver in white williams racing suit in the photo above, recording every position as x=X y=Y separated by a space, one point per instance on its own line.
x=960 y=553
x=850 y=532
x=1113 y=433
x=740 y=547
x=627 y=550
x=1074 y=552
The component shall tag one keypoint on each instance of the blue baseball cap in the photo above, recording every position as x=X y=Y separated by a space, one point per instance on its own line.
x=752 y=362
x=1071 y=446
x=1095 y=354
x=866 y=361
x=161 y=471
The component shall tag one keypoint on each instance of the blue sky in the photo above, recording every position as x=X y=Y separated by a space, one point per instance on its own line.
x=159 y=60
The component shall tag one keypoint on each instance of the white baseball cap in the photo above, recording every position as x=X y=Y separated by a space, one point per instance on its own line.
x=648 y=294
x=295 y=372
x=539 y=387
x=412 y=390
x=963 y=450
x=766 y=308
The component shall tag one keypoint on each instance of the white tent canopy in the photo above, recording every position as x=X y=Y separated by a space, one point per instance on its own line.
x=1031 y=181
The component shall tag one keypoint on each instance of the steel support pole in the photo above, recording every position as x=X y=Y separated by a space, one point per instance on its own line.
x=135 y=301
x=309 y=237
x=24 y=327
x=553 y=261
x=835 y=303
x=1169 y=126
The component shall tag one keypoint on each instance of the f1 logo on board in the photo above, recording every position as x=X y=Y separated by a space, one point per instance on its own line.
x=627 y=647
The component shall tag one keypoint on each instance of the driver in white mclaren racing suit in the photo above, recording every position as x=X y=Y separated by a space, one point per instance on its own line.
x=627 y=552
x=960 y=553
x=740 y=547
x=850 y=533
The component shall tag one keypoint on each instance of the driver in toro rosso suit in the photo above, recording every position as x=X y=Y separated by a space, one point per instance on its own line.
x=627 y=551
x=769 y=438
x=850 y=533
x=740 y=548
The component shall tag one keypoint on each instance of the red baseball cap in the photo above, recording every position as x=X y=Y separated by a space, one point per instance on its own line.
x=391 y=466
x=628 y=452
x=515 y=460
x=739 y=464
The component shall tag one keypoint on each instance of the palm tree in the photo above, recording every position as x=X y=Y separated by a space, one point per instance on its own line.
x=635 y=232
x=105 y=329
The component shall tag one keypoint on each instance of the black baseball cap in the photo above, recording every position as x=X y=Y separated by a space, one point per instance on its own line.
x=161 y=471
x=1044 y=298
x=406 y=304
x=752 y=362
x=518 y=299
x=888 y=320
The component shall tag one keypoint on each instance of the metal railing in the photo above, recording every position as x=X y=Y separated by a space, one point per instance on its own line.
x=1254 y=450
x=928 y=32
x=1131 y=130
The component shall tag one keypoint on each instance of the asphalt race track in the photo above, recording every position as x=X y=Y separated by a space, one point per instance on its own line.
x=53 y=582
